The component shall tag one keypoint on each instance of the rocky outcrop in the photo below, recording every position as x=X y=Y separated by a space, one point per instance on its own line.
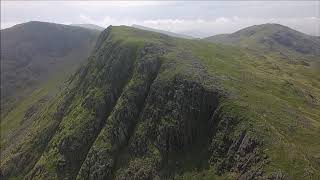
x=134 y=112
x=236 y=150
x=120 y=124
x=177 y=114
x=103 y=84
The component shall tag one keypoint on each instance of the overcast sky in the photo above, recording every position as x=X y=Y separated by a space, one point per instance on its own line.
x=198 y=19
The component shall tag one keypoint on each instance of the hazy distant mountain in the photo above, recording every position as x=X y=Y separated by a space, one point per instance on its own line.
x=89 y=26
x=163 y=32
x=33 y=52
x=272 y=37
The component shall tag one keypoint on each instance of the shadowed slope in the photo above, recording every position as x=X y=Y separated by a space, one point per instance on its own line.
x=34 y=52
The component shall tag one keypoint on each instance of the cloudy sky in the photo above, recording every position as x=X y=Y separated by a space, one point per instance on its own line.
x=198 y=19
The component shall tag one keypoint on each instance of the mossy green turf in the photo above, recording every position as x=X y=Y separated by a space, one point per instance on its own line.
x=279 y=101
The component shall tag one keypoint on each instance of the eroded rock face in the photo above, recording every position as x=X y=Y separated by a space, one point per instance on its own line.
x=130 y=115
x=177 y=114
x=120 y=124
x=101 y=90
x=240 y=153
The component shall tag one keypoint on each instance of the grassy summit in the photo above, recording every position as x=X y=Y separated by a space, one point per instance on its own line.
x=147 y=105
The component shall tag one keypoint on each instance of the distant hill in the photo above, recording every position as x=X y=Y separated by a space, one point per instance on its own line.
x=89 y=26
x=34 y=52
x=272 y=38
x=163 y=32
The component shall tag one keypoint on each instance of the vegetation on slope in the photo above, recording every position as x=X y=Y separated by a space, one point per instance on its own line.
x=36 y=57
x=147 y=106
x=33 y=53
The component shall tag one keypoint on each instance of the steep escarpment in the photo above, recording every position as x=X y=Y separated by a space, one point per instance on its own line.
x=123 y=85
x=149 y=106
x=121 y=122
x=97 y=93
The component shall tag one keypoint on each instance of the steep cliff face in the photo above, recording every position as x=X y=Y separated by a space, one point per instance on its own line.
x=97 y=91
x=145 y=106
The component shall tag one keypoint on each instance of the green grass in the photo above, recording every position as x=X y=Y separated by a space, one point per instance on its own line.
x=277 y=101
x=276 y=94
x=283 y=99
x=291 y=120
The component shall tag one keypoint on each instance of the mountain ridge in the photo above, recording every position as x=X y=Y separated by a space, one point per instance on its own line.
x=179 y=109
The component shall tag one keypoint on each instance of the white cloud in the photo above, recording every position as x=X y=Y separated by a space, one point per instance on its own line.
x=201 y=18
x=208 y=27
x=107 y=20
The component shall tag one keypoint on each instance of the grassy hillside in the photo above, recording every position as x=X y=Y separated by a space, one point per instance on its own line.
x=147 y=105
x=36 y=58
x=33 y=53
